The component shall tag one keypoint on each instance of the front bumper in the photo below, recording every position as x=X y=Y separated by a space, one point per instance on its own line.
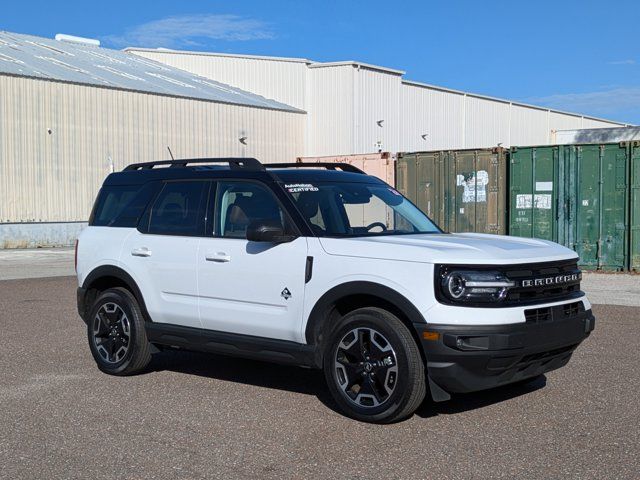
x=467 y=358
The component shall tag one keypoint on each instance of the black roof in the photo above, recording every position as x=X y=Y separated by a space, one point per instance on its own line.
x=238 y=168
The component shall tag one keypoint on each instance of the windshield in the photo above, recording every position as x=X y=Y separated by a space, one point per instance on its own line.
x=357 y=209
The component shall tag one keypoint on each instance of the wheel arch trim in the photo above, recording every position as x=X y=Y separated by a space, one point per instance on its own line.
x=104 y=271
x=316 y=319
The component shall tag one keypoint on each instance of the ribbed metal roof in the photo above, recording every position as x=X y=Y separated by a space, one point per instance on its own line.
x=37 y=57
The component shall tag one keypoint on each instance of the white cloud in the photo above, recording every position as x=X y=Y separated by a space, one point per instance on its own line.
x=603 y=102
x=629 y=61
x=191 y=30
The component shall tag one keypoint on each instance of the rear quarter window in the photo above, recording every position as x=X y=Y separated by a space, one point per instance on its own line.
x=121 y=205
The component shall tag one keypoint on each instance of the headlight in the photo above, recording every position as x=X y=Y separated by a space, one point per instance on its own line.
x=470 y=286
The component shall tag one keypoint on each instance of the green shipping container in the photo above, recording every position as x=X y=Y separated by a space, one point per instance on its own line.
x=462 y=191
x=634 y=154
x=576 y=195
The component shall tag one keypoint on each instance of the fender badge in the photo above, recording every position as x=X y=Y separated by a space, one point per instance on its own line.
x=286 y=294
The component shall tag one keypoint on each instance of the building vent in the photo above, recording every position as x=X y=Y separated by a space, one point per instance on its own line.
x=61 y=37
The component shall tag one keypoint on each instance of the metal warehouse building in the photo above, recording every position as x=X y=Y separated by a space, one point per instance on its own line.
x=72 y=112
x=354 y=107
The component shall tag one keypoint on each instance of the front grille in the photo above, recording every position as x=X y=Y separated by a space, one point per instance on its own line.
x=558 y=312
x=526 y=294
x=573 y=309
x=538 y=315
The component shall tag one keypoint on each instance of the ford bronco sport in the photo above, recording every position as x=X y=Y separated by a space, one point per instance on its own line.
x=322 y=267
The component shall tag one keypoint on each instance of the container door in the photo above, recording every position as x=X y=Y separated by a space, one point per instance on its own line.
x=566 y=202
x=406 y=177
x=468 y=191
x=601 y=205
x=588 y=204
x=490 y=217
x=533 y=192
x=634 y=254
x=428 y=188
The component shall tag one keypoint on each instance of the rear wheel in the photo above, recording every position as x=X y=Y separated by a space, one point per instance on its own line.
x=116 y=334
x=373 y=367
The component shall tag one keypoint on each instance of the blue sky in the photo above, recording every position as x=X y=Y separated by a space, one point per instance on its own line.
x=581 y=56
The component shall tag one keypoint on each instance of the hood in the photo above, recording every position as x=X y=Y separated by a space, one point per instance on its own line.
x=465 y=248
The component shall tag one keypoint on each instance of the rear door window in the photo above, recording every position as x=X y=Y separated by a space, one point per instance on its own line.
x=241 y=203
x=179 y=209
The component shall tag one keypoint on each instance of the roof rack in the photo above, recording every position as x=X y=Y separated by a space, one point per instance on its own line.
x=345 y=167
x=250 y=164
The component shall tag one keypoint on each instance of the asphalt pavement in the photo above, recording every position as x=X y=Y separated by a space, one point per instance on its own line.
x=202 y=416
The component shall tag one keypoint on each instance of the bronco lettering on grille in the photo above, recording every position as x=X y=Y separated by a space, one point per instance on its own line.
x=547 y=281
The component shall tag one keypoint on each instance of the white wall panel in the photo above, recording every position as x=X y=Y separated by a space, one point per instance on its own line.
x=529 y=126
x=46 y=177
x=331 y=120
x=486 y=123
x=593 y=123
x=377 y=99
x=281 y=80
x=439 y=115
x=562 y=121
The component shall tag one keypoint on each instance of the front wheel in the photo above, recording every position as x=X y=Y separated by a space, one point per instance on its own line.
x=116 y=333
x=373 y=367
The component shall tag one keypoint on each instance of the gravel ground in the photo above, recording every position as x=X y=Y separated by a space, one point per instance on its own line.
x=200 y=416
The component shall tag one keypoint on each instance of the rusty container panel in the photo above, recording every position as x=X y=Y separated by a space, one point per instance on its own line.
x=462 y=191
x=406 y=177
x=430 y=186
x=475 y=199
x=419 y=178
x=381 y=165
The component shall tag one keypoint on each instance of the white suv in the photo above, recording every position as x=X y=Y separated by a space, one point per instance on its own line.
x=323 y=267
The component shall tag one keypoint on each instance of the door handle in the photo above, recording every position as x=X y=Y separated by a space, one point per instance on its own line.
x=219 y=257
x=141 y=252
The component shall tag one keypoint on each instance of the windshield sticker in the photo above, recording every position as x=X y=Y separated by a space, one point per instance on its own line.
x=300 y=187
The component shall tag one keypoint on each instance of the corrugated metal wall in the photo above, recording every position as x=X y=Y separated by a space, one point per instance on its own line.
x=377 y=99
x=436 y=114
x=54 y=177
x=278 y=79
x=456 y=120
x=330 y=124
x=345 y=101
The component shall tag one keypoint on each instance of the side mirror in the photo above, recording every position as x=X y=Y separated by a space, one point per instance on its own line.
x=270 y=231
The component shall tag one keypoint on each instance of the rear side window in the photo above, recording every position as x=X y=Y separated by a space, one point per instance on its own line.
x=121 y=205
x=178 y=209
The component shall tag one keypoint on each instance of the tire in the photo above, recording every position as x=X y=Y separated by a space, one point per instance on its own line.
x=116 y=333
x=389 y=376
